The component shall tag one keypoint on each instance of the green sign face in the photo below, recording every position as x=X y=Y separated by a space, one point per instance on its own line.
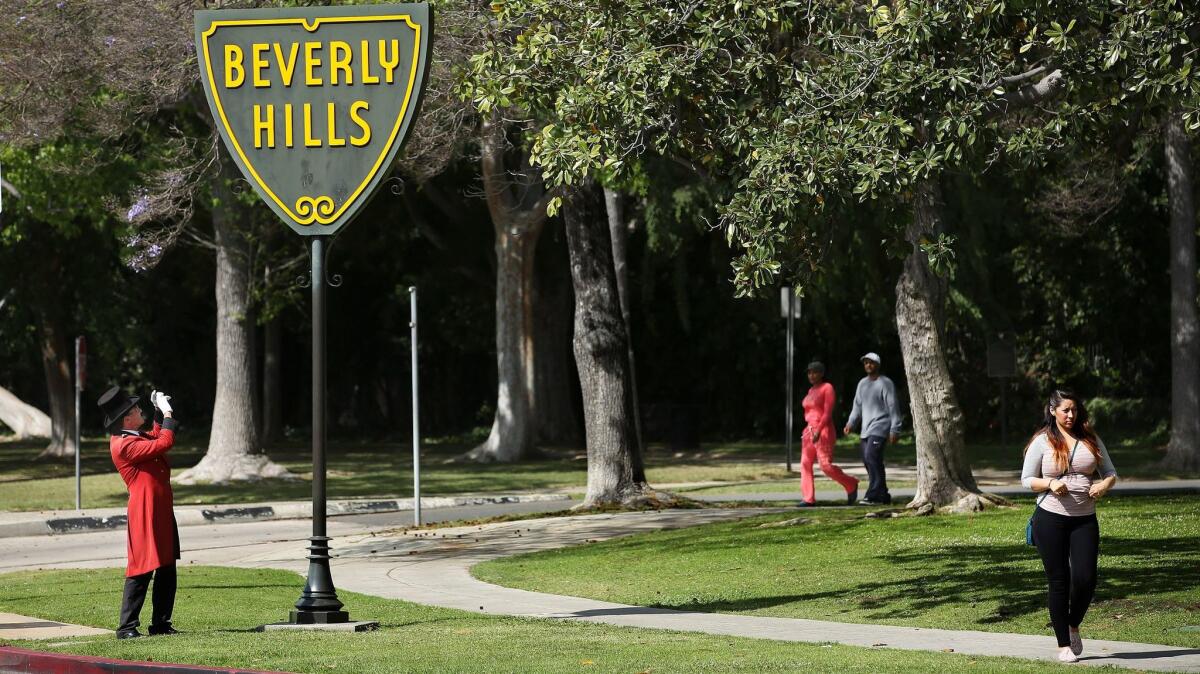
x=313 y=103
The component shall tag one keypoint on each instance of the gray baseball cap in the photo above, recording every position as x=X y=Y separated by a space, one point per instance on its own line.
x=872 y=356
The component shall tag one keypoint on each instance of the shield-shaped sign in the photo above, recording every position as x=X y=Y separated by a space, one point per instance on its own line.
x=313 y=103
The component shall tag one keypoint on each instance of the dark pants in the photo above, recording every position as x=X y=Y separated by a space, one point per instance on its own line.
x=872 y=452
x=163 y=599
x=1069 y=547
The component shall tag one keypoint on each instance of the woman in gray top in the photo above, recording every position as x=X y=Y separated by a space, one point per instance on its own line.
x=1063 y=461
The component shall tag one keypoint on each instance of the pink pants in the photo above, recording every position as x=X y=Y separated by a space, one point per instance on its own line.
x=822 y=452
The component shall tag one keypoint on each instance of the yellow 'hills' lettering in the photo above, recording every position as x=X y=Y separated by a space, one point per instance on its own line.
x=309 y=141
x=287 y=124
x=331 y=122
x=264 y=123
x=355 y=108
x=235 y=72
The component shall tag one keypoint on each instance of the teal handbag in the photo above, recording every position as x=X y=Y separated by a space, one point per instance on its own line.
x=1029 y=524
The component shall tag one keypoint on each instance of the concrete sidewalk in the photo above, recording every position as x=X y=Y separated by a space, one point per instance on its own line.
x=98 y=519
x=433 y=567
x=13 y=626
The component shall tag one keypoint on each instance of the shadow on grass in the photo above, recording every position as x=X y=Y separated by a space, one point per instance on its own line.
x=979 y=573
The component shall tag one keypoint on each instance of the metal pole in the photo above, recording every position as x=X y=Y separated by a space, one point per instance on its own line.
x=790 y=377
x=318 y=602
x=416 y=407
x=78 y=421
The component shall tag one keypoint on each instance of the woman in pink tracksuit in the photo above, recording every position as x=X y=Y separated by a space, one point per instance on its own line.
x=818 y=438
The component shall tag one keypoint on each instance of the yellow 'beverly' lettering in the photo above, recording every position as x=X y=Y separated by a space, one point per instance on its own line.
x=389 y=63
x=259 y=64
x=311 y=63
x=287 y=67
x=364 y=52
x=339 y=61
x=235 y=72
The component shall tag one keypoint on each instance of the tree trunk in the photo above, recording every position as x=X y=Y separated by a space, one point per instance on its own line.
x=26 y=421
x=233 y=448
x=517 y=228
x=512 y=436
x=616 y=475
x=56 y=363
x=943 y=473
x=556 y=385
x=613 y=204
x=272 y=384
x=1183 y=449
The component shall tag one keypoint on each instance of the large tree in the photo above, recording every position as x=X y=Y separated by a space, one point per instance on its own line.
x=800 y=105
x=1150 y=55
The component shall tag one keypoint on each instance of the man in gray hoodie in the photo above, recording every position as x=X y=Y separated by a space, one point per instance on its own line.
x=876 y=409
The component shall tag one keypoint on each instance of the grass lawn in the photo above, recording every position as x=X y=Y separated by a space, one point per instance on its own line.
x=354 y=471
x=381 y=469
x=957 y=572
x=218 y=607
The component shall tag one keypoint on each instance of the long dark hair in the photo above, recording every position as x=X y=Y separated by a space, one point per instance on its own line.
x=1082 y=428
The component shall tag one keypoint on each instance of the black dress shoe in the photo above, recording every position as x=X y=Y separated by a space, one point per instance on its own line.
x=129 y=634
x=163 y=631
x=805 y=504
x=852 y=497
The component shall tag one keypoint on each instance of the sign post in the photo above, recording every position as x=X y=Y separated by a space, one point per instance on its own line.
x=416 y=410
x=313 y=104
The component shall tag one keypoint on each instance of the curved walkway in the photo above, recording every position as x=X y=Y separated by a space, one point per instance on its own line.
x=433 y=567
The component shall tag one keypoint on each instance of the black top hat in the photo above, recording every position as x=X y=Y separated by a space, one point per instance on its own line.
x=115 y=405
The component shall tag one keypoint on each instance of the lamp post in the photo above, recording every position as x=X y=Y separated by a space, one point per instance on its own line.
x=318 y=601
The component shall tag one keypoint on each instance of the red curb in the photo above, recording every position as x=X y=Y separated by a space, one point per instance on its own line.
x=21 y=661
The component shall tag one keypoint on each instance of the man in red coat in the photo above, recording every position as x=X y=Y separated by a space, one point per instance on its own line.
x=153 y=539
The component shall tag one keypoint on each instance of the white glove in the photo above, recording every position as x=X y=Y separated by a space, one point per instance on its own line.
x=161 y=401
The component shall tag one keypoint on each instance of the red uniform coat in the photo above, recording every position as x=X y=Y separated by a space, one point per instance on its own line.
x=153 y=540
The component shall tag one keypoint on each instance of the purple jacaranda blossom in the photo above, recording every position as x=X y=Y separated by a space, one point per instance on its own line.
x=137 y=208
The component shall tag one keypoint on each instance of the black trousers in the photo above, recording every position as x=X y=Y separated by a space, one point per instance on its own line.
x=163 y=599
x=872 y=453
x=1069 y=547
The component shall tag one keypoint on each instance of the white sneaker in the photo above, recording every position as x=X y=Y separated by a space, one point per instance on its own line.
x=1076 y=642
x=1065 y=655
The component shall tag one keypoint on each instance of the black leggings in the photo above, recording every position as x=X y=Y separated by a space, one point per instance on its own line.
x=1069 y=547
